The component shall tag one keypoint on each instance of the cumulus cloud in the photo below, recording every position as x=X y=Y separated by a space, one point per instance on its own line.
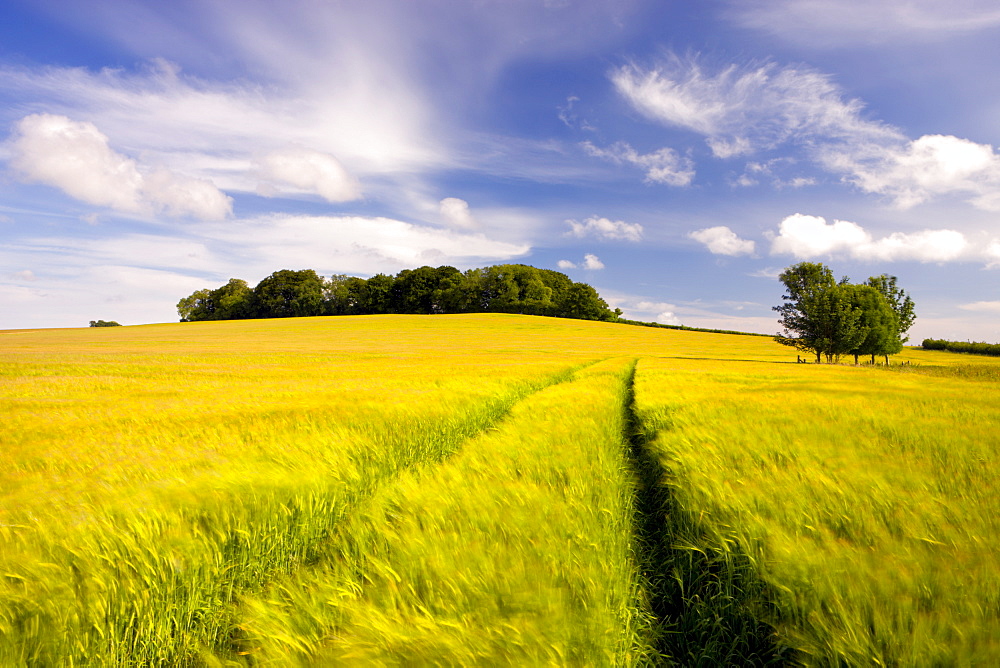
x=456 y=213
x=308 y=171
x=806 y=237
x=721 y=240
x=604 y=228
x=590 y=261
x=664 y=166
x=76 y=158
x=641 y=308
x=914 y=172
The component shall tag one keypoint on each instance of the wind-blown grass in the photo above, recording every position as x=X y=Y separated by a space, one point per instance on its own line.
x=460 y=489
x=518 y=550
x=867 y=502
x=143 y=490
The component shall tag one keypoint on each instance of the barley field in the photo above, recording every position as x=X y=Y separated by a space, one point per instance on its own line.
x=489 y=490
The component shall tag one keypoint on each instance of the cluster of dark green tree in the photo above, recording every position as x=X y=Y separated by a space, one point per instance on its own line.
x=506 y=288
x=104 y=323
x=974 y=347
x=830 y=318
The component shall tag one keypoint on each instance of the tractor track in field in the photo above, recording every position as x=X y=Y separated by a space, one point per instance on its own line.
x=701 y=602
x=235 y=644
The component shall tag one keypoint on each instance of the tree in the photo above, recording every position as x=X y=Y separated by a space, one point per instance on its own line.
x=878 y=320
x=104 y=323
x=287 y=294
x=199 y=305
x=830 y=319
x=506 y=288
x=338 y=296
x=803 y=282
x=375 y=296
x=819 y=316
x=582 y=301
x=902 y=308
x=233 y=301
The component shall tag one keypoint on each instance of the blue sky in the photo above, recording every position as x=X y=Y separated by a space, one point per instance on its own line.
x=675 y=155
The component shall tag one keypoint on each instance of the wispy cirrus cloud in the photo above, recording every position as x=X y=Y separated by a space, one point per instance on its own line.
x=222 y=130
x=982 y=306
x=743 y=110
x=746 y=110
x=664 y=166
x=824 y=23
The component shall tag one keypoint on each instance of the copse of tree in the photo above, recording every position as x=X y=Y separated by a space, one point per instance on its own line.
x=104 y=323
x=507 y=288
x=829 y=318
x=971 y=347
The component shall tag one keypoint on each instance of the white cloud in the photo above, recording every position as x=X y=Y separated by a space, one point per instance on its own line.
x=76 y=278
x=355 y=244
x=928 y=166
x=309 y=171
x=604 y=228
x=838 y=22
x=664 y=166
x=986 y=307
x=590 y=261
x=721 y=240
x=806 y=237
x=456 y=214
x=219 y=131
x=744 y=110
x=635 y=307
x=76 y=158
x=24 y=275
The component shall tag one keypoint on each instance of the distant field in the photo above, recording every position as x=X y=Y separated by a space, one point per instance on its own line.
x=489 y=489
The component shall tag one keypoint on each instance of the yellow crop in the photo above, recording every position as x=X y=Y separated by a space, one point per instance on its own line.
x=481 y=489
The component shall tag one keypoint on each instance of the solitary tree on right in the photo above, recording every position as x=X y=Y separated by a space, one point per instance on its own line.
x=830 y=318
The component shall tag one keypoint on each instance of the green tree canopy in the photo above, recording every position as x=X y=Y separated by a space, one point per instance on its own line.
x=287 y=293
x=830 y=319
x=878 y=321
x=505 y=288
